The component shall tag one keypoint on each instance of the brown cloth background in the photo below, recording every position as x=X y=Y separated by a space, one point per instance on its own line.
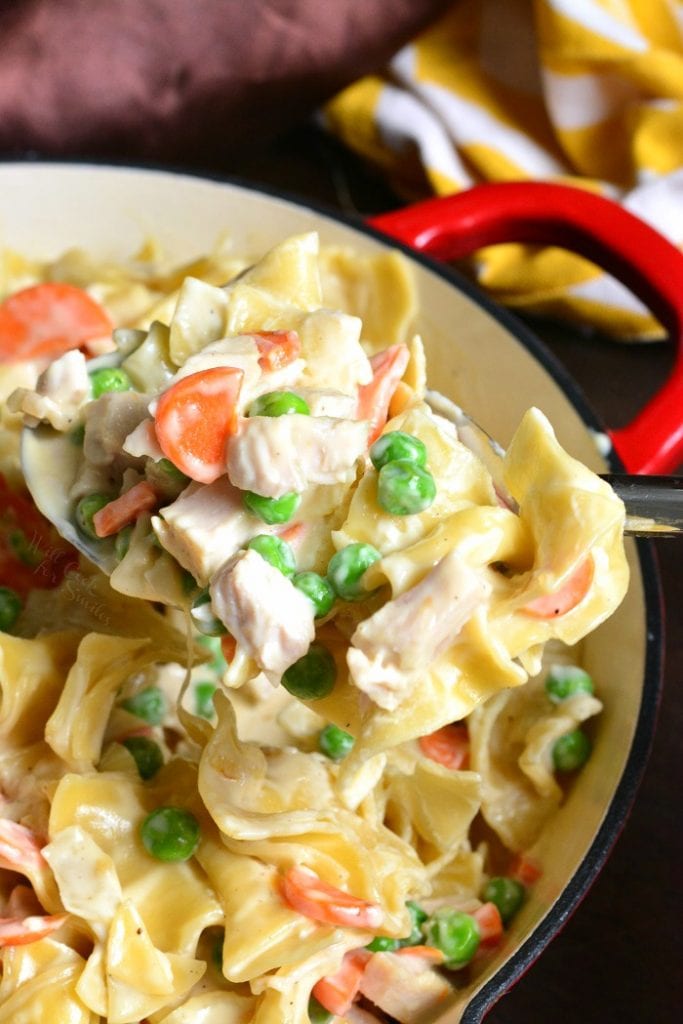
x=182 y=80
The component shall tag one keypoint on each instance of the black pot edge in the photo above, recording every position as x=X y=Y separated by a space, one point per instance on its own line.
x=624 y=796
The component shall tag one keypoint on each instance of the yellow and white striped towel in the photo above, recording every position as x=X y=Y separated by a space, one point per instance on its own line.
x=588 y=92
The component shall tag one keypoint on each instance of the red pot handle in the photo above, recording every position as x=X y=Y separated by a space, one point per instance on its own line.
x=651 y=267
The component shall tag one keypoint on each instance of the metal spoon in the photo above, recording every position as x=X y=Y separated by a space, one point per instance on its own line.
x=654 y=504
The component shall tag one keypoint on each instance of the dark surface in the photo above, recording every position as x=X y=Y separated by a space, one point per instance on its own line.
x=619 y=957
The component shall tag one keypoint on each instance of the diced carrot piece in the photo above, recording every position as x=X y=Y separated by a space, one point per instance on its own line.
x=45 y=320
x=305 y=892
x=430 y=954
x=17 y=931
x=294 y=533
x=125 y=509
x=525 y=869
x=194 y=419
x=448 y=746
x=490 y=924
x=277 y=349
x=375 y=397
x=571 y=593
x=228 y=646
x=336 y=992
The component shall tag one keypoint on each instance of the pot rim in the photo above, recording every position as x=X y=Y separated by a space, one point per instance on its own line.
x=620 y=804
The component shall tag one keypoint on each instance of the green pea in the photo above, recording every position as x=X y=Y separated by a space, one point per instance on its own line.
x=276 y=551
x=312 y=676
x=317 y=1014
x=565 y=681
x=571 y=751
x=167 y=467
x=110 y=378
x=334 y=742
x=279 y=403
x=170 y=834
x=508 y=895
x=418 y=916
x=10 y=608
x=395 y=446
x=149 y=705
x=86 y=509
x=167 y=480
x=218 y=664
x=455 y=933
x=271 y=510
x=317 y=589
x=147 y=754
x=203 y=617
x=203 y=699
x=346 y=568
x=403 y=489
x=122 y=542
x=383 y=944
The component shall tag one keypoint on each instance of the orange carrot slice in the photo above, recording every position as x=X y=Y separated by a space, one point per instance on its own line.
x=375 y=397
x=448 y=746
x=46 y=320
x=571 y=593
x=490 y=924
x=336 y=992
x=305 y=892
x=194 y=419
x=277 y=349
x=125 y=509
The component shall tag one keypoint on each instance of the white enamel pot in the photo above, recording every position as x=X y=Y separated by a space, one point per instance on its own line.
x=485 y=360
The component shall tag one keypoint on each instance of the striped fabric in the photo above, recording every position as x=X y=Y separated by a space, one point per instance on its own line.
x=588 y=92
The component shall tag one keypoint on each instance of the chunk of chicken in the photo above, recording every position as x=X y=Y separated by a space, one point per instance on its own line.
x=205 y=526
x=274 y=455
x=328 y=402
x=108 y=422
x=331 y=346
x=61 y=391
x=269 y=618
x=404 y=987
x=389 y=649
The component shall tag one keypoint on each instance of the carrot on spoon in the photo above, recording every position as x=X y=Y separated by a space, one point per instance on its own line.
x=46 y=320
x=194 y=419
x=125 y=509
x=375 y=397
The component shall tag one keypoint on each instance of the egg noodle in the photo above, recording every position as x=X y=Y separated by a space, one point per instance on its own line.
x=303 y=853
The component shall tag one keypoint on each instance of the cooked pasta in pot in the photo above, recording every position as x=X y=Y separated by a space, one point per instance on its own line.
x=290 y=761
